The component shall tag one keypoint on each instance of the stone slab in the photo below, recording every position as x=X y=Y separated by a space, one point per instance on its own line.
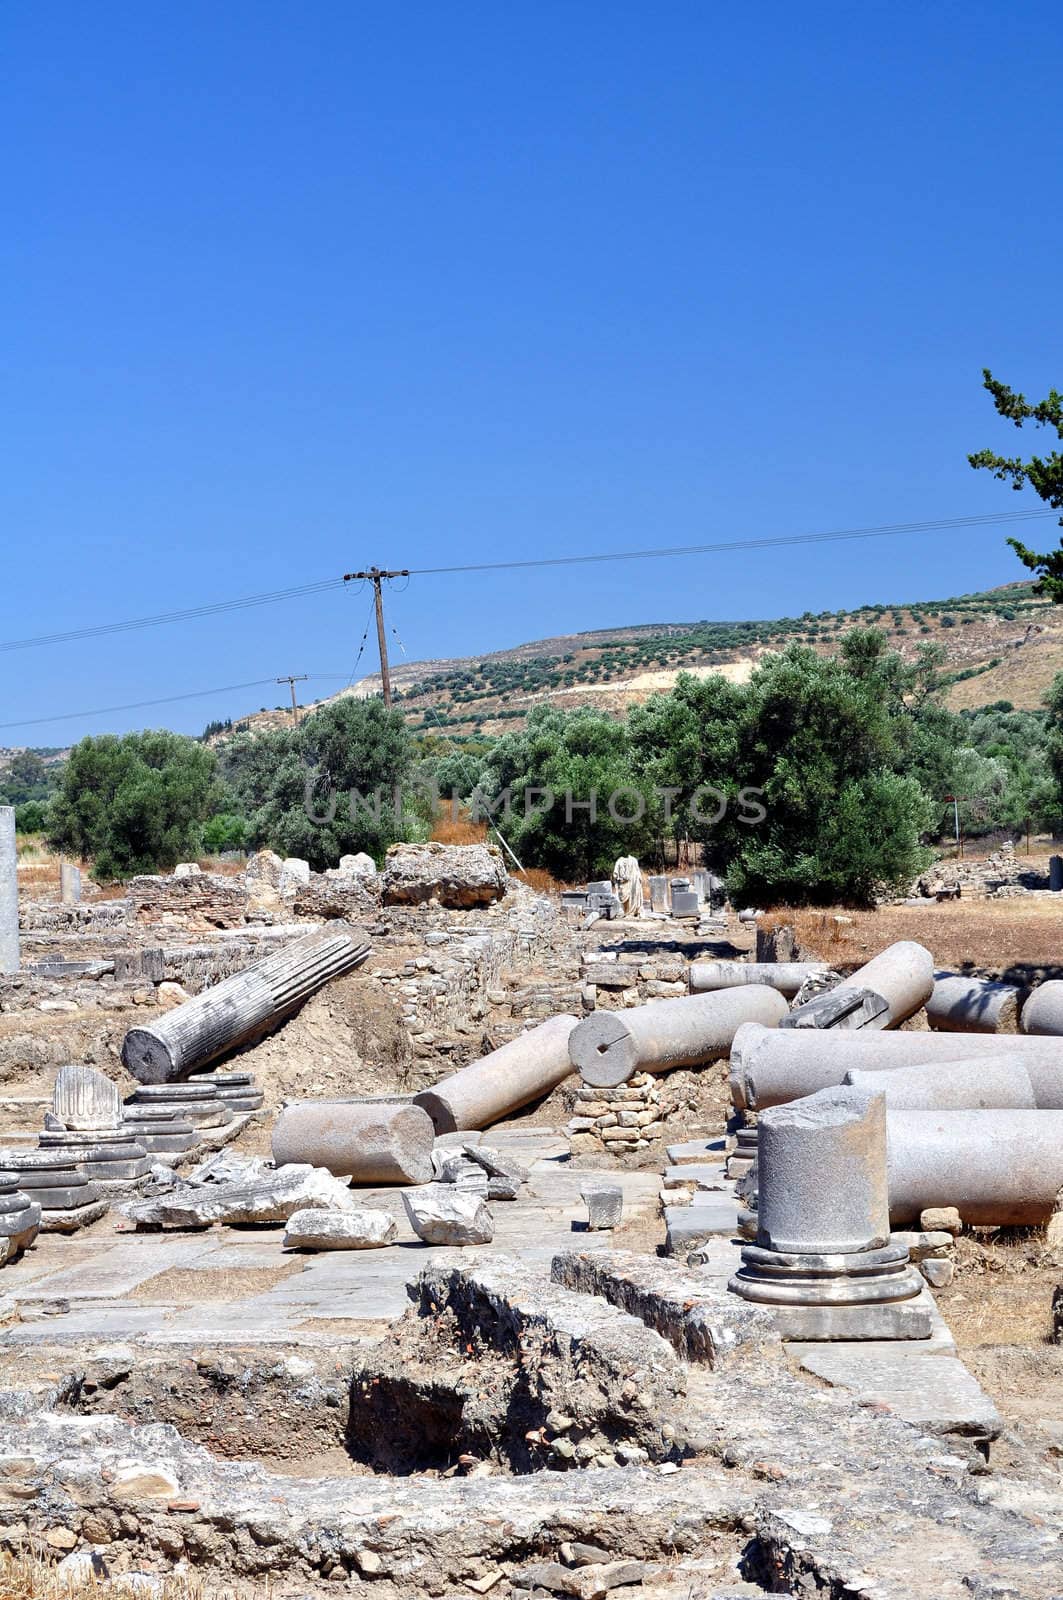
x=702 y=1174
x=688 y=1226
x=113 y=1273
x=934 y=1391
x=695 y=1150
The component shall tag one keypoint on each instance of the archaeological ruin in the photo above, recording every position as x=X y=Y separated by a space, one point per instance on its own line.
x=414 y=1234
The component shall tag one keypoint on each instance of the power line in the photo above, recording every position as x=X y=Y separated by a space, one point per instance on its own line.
x=324 y=585
x=189 y=615
x=166 y=700
x=885 y=531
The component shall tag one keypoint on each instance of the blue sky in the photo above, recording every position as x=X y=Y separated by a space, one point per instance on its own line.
x=292 y=288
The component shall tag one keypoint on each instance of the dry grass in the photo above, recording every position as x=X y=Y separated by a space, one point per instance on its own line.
x=25 y=1577
x=448 y=830
x=1015 y=938
x=542 y=882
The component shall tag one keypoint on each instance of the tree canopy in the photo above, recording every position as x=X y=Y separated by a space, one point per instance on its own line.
x=1044 y=474
x=134 y=804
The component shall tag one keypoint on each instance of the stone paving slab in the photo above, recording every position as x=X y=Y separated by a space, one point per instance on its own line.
x=112 y=1273
x=689 y=1226
x=696 y=1150
x=703 y=1174
x=934 y=1390
x=98 y=1271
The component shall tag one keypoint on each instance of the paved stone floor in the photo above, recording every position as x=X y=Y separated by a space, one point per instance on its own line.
x=105 y=1275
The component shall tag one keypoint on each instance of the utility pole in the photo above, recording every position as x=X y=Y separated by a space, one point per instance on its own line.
x=291 y=680
x=955 y=800
x=376 y=576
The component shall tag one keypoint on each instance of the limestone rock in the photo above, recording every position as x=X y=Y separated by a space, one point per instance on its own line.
x=941 y=1219
x=357 y=866
x=361 y=1229
x=295 y=875
x=456 y=875
x=505 y=1175
x=439 y=1213
x=455 y=1168
x=169 y=995
x=273 y=1197
x=186 y=869
x=264 y=870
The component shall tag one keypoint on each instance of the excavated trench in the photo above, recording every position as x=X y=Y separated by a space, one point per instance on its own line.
x=489 y=1377
x=386 y=1410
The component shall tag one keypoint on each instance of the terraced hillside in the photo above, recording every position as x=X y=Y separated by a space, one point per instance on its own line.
x=1004 y=644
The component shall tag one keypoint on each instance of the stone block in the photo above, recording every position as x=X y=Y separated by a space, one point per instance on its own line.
x=274 y=1197
x=605 y=1204
x=443 y=1215
x=364 y=1228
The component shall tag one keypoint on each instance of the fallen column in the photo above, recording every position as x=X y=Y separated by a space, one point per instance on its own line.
x=992 y=1082
x=242 y=1008
x=1043 y=1011
x=823 y=1258
x=786 y=976
x=998 y=1168
x=973 y=1005
x=386 y=1139
x=9 y=947
x=487 y=1090
x=770 y=1066
x=902 y=975
x=609 y=1046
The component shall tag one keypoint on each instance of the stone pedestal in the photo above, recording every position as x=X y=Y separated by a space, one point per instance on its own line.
x=164 y=1134
x=68 y=1199
x=69 y=884
x=9 y=946
x=234 y=1089
x=114 y=1161
x=823 y=1249
x=659 y=895
x=20 y=1218
x=196 y=1103
x=742 y=1157
x=1055 y=873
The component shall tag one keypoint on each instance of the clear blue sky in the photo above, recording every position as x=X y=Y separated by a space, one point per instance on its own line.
x=288 y=288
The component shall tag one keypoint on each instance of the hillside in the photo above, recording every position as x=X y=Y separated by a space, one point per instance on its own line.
x=1004 y=644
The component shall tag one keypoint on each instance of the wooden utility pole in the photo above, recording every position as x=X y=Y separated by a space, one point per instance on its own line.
x=376 y=576
x=291 y=680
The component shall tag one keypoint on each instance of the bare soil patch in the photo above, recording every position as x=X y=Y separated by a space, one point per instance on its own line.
x=998 y=1307
x=191 y=1286
x=1016 y=938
